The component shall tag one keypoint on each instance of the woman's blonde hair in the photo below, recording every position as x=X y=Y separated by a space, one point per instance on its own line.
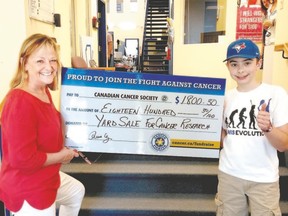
x=29 y=46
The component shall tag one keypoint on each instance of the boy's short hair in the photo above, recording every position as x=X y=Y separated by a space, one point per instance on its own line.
x=242 y=48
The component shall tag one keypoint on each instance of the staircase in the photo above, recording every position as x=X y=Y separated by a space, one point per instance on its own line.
x=138 y=185
x=155 y=38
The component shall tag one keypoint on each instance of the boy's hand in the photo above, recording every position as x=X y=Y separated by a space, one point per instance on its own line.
x=263 y=118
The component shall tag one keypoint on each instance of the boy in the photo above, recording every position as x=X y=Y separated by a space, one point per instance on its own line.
x=248 y=165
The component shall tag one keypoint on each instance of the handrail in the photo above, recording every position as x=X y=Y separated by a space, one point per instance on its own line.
x=283 y=48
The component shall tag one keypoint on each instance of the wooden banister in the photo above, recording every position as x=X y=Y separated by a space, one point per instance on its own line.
x=283 y=48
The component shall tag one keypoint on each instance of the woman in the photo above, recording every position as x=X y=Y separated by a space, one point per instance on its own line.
x=32 y=138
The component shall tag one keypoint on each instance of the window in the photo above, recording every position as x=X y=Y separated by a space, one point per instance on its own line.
x=133 y=6
x=202 y=22
x=119 y=6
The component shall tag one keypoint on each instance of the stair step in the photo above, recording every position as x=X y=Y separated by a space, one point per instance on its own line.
x=150 y=167
x=155 y=58
x=158 y=49
x=157 y=16
x=155 y=55
x=155 y=21
x=159 y=2
x=156 y=12
x=153 y=35
x=156 y=24
x=157 y=9
x=149 y=52
x=156 y=63
x=159 y=36
x=151 y=41
x=153 y=176
x=156 y=1
x=147 y=164
x=151 y=202
x=155 y=67
x=158 y=29
x=144 y=167
x=156 y=33
x=162 y=35
x=158 y=5
x=163 y=72
x=154 y=43
x=156 y=38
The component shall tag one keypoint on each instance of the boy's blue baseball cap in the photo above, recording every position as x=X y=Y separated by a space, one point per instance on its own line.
x=242 y=48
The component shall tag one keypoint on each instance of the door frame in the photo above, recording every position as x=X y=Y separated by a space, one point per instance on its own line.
x=102 y=38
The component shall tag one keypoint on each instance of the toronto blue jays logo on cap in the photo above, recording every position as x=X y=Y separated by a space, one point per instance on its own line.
x=239 y=47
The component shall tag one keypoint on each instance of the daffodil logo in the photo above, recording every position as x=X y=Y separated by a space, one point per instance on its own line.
x=160 y=142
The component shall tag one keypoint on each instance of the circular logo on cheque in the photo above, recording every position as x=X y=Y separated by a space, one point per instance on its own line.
x=159 y=142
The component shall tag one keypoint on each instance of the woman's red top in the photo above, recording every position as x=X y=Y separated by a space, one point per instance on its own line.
x=30 y=129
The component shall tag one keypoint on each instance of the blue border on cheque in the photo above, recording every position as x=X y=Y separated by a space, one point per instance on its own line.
x=143 y=81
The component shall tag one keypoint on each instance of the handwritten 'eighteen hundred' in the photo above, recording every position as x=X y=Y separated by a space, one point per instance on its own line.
x=148 y=110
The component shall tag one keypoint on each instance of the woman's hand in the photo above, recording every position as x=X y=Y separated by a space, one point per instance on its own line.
x=64 y=156
x=267 y=24
x=68 y=155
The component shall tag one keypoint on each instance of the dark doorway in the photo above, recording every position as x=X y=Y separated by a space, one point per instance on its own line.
x=102 y=53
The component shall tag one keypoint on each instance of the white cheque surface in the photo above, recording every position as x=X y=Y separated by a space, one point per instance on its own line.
x=100 y=117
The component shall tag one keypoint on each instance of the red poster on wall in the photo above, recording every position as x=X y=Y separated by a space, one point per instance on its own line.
x=249 y=23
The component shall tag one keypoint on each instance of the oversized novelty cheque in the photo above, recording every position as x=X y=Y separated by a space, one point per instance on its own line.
x=138 y=113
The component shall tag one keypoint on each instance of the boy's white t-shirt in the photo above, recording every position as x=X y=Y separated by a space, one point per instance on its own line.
x=247 y=153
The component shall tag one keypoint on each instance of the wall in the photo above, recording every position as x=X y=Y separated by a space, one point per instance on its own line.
x=221 y=23
x=81 y=20
x=279 y=74
x=202 y=59
x=17 y=29
x=207 y=59
x=13 y=32
x=130 y=25
x=62 y=34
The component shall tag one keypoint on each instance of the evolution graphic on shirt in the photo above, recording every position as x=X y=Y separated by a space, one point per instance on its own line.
x=243 y=121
